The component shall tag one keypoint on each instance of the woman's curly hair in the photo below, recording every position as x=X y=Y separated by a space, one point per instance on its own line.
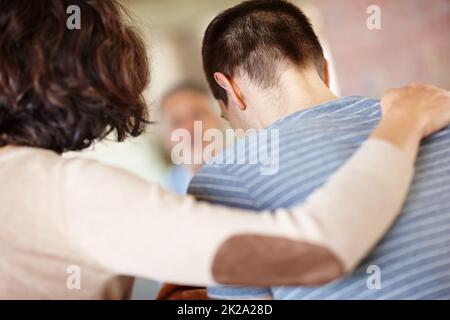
x=61 y=89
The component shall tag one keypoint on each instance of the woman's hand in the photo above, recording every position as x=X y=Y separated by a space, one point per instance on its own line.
x=177 y=292
x=412 y=113
x=426 y=104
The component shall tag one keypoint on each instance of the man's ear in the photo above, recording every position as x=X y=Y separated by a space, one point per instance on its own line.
x=231 y=88
x=326 y=71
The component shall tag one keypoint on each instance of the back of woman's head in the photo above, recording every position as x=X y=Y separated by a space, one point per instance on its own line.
x=63 y=88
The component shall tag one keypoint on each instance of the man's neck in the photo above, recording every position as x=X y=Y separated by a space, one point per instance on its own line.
x=298 y=91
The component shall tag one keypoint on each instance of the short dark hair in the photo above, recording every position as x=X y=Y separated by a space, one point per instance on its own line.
x=253 y=37
x=62 y=89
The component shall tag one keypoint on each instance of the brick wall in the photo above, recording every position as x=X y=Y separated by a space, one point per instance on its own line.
x=413 y=43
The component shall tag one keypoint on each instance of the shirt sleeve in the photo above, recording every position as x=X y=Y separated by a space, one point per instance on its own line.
x=216 y=185
x=135 y=228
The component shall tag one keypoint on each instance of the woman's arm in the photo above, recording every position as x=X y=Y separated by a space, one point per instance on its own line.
x=119 y=220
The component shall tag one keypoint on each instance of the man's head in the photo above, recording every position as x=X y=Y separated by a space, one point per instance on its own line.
x=248 y=48
x=184 y=104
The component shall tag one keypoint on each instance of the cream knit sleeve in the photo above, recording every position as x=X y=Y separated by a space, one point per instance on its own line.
x=135 y=228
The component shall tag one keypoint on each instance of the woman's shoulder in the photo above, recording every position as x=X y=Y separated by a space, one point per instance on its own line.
x=38 y=164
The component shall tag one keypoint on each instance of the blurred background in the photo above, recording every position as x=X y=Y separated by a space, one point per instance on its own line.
x=412 y=45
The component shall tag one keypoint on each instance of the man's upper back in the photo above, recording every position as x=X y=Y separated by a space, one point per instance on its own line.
x=412 y=261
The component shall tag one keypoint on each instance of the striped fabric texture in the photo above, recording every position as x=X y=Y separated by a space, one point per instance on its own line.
x=411 y=262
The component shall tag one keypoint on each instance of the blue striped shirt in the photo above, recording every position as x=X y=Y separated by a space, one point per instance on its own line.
x=413 y=259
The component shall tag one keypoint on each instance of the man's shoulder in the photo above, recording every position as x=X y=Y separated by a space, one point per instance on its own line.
x=286 y=149
x=341 y=106
x=218 y=184
x=292 y=132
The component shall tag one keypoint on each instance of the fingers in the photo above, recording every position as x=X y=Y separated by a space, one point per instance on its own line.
x=427 y=87
x=197 y=294
x=177 y=292
x=417 y=86
x=416 y=90
x=166 y=290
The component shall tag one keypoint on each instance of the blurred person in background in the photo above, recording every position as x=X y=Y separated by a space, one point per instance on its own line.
x=180 y=108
